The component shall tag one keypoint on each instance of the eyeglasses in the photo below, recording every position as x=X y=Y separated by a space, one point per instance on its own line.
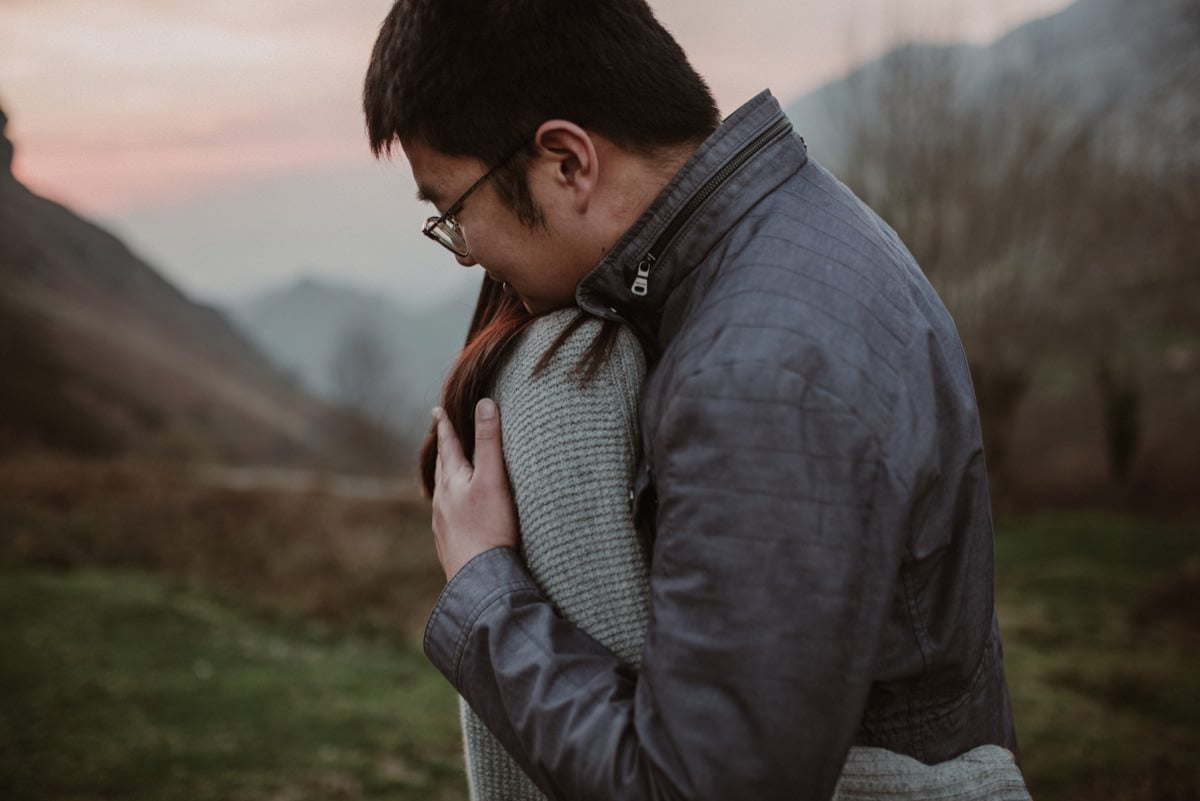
x=446 y=230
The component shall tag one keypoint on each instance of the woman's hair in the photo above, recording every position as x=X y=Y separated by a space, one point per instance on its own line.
x=496 y=326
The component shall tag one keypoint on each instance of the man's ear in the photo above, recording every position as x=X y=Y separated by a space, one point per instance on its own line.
x=571 y=153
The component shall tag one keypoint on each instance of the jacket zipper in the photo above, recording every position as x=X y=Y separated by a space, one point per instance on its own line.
x=641 y=281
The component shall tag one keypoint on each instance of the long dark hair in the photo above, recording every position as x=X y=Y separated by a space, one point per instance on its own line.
x=496 y=325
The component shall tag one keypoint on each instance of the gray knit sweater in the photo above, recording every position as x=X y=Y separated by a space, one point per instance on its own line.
x=571 y=451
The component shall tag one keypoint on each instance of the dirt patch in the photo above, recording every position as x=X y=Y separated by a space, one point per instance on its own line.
x=1176 y=601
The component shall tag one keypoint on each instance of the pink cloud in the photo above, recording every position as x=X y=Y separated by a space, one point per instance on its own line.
x=113 y=180
x=133 y=102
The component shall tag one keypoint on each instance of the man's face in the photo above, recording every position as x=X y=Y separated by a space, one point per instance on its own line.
x=532 y=262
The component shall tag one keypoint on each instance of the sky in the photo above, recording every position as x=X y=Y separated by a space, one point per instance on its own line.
x=223 y=139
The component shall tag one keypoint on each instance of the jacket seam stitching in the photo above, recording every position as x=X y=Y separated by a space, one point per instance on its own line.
x=875 y=439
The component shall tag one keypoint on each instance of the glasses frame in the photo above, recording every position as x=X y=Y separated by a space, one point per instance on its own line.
x=445 y=229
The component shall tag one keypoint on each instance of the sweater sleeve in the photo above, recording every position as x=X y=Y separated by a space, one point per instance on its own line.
x=570 y=447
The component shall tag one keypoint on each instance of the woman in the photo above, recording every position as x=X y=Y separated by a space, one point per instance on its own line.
x=567 y=385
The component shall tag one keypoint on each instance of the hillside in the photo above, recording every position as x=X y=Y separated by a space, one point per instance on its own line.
x=1129 y=71
x=106 y=356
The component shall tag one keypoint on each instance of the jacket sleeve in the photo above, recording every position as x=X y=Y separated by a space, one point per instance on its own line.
x=774 y=567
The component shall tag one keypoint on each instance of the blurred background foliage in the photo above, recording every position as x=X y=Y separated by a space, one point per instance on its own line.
x=1061 y=226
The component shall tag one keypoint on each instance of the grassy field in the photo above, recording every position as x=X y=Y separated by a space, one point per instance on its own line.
x=124 y=686
x=164 y=640
x=1101 y=624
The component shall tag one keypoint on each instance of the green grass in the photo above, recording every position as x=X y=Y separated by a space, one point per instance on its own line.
x=1101 y=623
x=124 y=686
x=222 y=661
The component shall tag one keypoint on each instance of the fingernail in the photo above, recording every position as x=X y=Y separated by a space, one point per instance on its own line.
x=437 y=414
x=486 y=409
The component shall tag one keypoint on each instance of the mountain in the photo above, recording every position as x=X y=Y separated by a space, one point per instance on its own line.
x=103 y=355
x=359 y=222
x=308 y=327
x=1128 y=71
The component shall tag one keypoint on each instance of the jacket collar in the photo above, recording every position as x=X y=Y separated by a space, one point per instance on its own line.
x=606 y=290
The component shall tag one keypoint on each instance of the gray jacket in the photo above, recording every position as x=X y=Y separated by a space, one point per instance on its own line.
x=822 y=543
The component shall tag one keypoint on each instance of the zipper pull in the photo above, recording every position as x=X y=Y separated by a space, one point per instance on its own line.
x=641 y=284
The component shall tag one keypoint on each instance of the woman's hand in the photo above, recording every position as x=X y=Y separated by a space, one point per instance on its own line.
x=472 y=505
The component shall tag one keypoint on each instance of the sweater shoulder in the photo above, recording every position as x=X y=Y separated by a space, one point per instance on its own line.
x=562 y=379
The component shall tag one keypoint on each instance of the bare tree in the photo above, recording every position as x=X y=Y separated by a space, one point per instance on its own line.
x=1046 y=247
x=363 y=374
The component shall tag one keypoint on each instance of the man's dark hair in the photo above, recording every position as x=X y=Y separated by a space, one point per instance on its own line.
x=475 y=77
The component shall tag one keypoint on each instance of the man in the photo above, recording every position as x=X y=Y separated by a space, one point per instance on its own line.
x=812 y=469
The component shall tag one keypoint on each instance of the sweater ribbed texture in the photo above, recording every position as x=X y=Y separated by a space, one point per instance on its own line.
x=571 y=450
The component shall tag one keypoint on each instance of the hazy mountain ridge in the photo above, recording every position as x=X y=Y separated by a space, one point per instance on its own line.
x=302 y=325
x=1128 y=70
x=156 y=371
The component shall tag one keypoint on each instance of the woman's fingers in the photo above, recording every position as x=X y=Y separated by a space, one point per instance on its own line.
x=450 y=453
x=489 y=456
x=472 y=510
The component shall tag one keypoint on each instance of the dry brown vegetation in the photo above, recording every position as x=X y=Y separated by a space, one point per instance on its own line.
x=365 y=565
x=1071 y=267
x=1097 y=614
